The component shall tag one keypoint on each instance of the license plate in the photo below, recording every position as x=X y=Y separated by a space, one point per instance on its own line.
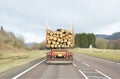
x=59 y=55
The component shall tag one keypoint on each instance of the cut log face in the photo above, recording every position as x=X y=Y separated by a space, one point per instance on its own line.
x=59 y=39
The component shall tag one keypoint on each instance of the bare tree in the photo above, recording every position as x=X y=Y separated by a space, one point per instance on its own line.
x=2 y=28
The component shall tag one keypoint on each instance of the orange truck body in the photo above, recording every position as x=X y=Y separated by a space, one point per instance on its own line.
x=59 y=56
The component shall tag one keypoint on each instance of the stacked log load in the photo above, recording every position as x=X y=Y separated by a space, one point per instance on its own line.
x=59 y=39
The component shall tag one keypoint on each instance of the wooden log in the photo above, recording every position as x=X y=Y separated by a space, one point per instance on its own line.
x=48 y=31
x=57 y=32
x=52 y=46
x=49 y=41
x=57 y=43
x=51 y=33
x=55 y=46
x=70 y=36
x=68 y=46
x=68 y=42
x=53 y=42
x=61 y=40
x=61 y=36
x=54 y=38
x=51 y=37
x=62 y=46
x=59 y=46
x=69 y=39
x=61 y=33
x=65 y=40
x=48 y=45
x=58 y=39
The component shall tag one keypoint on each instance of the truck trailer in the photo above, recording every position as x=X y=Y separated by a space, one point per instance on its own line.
x=59 y=42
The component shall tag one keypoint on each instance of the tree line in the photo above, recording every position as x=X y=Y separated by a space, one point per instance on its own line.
x=84 y=40
x=102 y=43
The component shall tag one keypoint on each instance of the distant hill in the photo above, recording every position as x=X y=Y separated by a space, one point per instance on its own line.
x=29 y=44
x=37 y=46
x=100 y=36
x=114 y=36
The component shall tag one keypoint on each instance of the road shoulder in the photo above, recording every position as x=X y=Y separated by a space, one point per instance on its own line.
x=16 y=70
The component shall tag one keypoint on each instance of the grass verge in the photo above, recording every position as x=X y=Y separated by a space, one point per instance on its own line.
x=11 y=59
x=112 y=55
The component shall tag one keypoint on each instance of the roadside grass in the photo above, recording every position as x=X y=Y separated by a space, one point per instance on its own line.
x=112 y=55
x=11 y=59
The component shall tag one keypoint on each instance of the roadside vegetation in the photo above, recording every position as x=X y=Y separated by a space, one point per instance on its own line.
x=84 y=40
x=10 y=59
x=14 y=52
x=102 y=43
x=8 y=40
x=112 y=55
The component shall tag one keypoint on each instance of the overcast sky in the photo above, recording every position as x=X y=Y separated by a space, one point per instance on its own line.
x=29 y=17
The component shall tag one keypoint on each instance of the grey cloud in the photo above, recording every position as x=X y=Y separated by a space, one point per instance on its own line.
x=87 y=15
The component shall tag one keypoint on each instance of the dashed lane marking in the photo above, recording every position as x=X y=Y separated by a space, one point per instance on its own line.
x=89 y=72
x=103 y=74
x=118 y=63
x=86 y=64
x=83 y=74
x=74 y=64
x=27 y=70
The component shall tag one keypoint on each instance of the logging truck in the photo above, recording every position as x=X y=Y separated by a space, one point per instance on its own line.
x=58 y=42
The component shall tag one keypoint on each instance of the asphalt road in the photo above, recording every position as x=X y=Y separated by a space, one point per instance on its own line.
x=108 y=68
x=45 y=71
x=83 y=67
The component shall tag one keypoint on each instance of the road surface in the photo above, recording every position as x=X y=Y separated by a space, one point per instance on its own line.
x=45 y=71
x=110 y=69
x=83 y=67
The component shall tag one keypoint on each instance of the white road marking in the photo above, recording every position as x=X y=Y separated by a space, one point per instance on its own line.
x=28 y=70
x=89 y=72
x=74 y=64
x=103 y=74
x=83 y=74
x=86 y=64
x=118 y=63
x=108 y=61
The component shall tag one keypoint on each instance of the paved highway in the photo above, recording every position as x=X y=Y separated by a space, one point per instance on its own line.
x=84 y=67
x=109 y=69
x=45 y=71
